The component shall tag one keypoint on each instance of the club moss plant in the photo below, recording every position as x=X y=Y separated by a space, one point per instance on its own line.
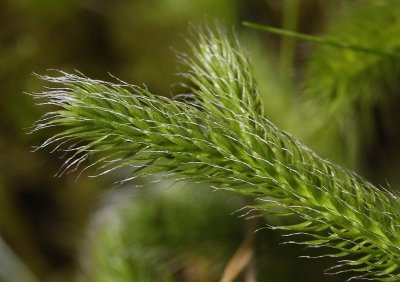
x=219 y=135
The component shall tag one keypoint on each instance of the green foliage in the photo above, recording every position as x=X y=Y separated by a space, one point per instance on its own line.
x=354 y=93
x=221 y=137
x=164 y=236
x=43 y=218
x=351 y=80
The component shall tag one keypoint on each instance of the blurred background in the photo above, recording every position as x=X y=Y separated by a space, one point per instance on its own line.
x=341 y=103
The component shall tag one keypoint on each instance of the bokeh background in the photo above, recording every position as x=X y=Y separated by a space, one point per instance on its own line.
x=69 y=229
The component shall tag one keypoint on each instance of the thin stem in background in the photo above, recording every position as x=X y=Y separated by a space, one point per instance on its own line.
x=319 y=40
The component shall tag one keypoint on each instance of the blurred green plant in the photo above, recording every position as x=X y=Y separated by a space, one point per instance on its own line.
x=153 y=236
x=355 y=94
x=220 y=136
x=350 y=82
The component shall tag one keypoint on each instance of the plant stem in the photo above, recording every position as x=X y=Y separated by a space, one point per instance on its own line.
x=319 y=40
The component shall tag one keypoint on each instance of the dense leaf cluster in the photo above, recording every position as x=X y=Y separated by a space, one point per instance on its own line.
x=219 y=135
